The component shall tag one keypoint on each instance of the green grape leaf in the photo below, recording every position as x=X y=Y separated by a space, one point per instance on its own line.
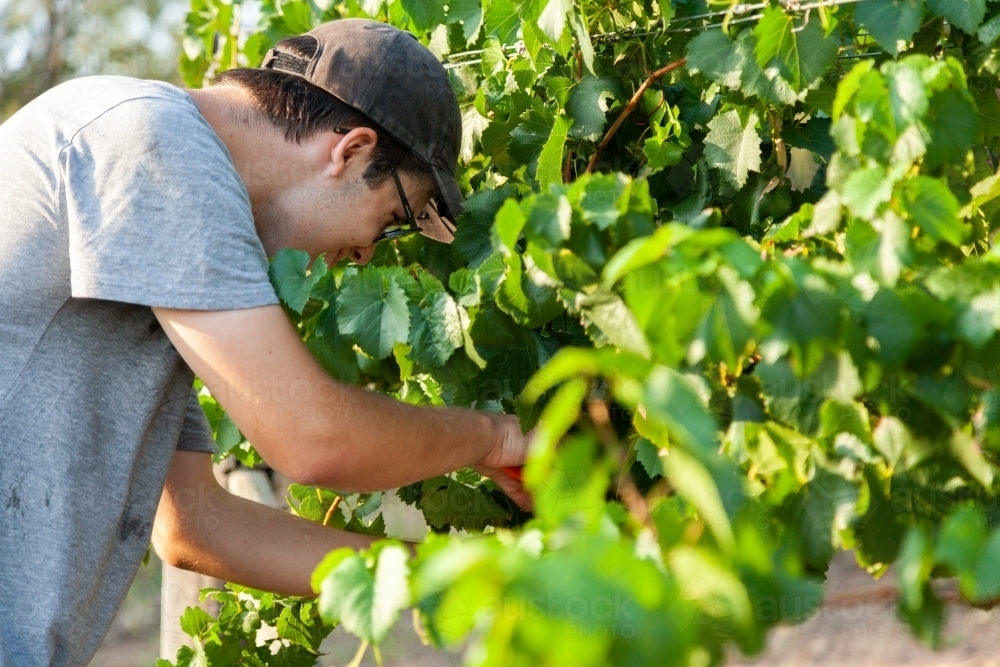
x=549 y=220
x=572 y=484
x=754 y=81
x=528 y=138
x=979 y=319
x=732 y=147
x=866 y=190
x=660 y=151
x=730 y=322
x=588 y=106
x=466 y=285
x=606 y=311
x=293 y=628
x=553 y=18
x=713 y=587
x=934 y=209
x=292 y=278
x=648 y=455
x=600 y=203
x=528 y=296
x=985 y=585
x=366 y=605
x=425 y=14
x=694 y=483
x=714 y=55
x=507 y=227
x=890 y=21
x=967 y=451
x=490 y=274
x=889 y=322
x=469 y=13
x=436 y=330
x=990 y=30
x=496 y=143
x=672 y=399
x=918 y=605
x=802 y=55
x=376 y=528
x=583 y=39
x=824 y=508
x=961 y=540
x=814 y=136
x=473 y=125
x=502 y=20
x=989 y=109
x=572 y=271
x=196 y=622
x=446 y=502
x=297 y=16
x=332 y=350
x=550 y=160
x=880 y=531
x=966 y=15
x=952 y=121
x=472 y=237
x=372 y=308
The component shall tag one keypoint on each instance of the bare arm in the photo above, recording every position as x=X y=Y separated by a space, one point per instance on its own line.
x=318 y=431
x=203 y=528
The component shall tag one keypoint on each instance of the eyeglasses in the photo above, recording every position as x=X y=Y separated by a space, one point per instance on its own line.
x=411 y=226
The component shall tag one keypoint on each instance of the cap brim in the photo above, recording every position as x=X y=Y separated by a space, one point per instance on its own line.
x=441 y=227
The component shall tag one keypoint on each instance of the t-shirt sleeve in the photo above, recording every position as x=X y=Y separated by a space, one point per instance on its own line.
x=196 y=434
x=157 y=214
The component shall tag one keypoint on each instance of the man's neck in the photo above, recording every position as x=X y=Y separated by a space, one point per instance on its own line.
x=248 y=137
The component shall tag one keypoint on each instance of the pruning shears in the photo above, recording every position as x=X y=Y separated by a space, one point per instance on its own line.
x=514 y=471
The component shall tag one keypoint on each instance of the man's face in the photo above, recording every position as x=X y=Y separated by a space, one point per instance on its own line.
x=328 y=208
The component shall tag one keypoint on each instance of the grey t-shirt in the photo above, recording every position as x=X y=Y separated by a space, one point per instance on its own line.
x=115 y=196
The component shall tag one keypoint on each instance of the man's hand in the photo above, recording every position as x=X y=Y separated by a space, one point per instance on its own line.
x=511 y=450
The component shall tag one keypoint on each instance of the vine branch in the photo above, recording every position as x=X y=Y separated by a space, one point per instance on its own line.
x=635 y=503
x=629 y=108
x=333 y=508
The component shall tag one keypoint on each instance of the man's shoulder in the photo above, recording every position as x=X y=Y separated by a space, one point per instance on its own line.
x=137 y=105
x=149 y=125
x=77 y=102
x=139 y=109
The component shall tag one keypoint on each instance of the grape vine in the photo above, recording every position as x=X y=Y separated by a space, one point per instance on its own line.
x=733 y=261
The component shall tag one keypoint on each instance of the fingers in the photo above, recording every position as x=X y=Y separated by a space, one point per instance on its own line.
x=514 y=489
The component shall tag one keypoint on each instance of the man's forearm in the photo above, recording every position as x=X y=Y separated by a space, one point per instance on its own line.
x=311 y=427
x=380 y=443
x=243 y=542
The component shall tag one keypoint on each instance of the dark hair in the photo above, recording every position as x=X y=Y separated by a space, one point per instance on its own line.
x=299 y=109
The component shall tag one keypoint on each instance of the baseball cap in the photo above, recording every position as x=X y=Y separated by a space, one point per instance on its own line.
x=390 y=77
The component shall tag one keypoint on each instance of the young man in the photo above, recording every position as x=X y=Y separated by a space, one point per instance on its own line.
x=135 y=224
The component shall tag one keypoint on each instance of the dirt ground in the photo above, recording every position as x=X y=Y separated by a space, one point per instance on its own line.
x=857 y=627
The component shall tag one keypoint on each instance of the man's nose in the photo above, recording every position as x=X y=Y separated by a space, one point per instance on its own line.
x=362 y=255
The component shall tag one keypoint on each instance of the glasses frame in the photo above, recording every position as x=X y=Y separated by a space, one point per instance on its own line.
x=411 y=220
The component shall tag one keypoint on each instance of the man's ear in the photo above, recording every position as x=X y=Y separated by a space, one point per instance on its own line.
x=354 y=150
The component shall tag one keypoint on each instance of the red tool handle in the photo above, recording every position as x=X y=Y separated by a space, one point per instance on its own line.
x=514 y=471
